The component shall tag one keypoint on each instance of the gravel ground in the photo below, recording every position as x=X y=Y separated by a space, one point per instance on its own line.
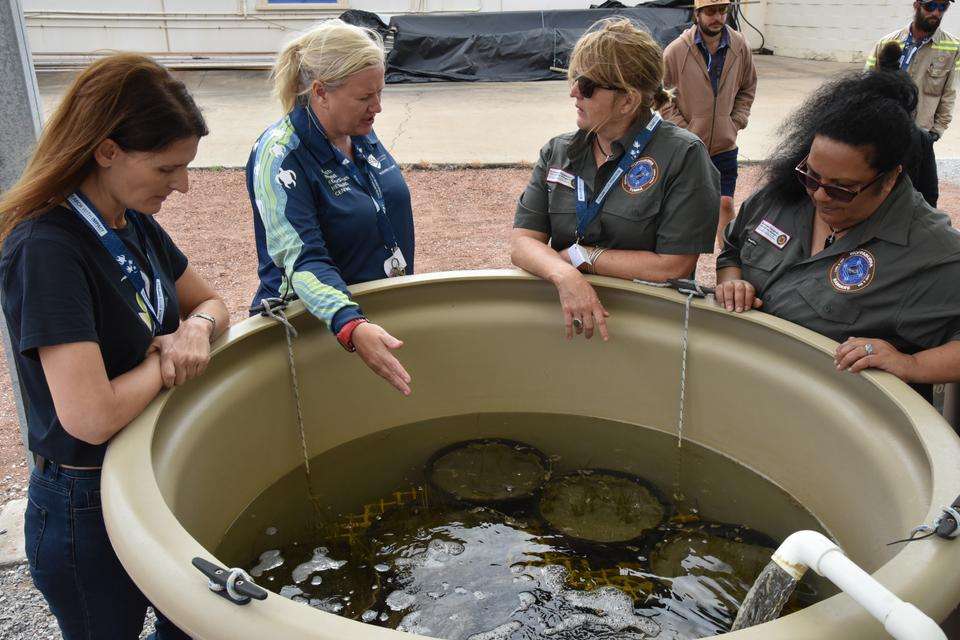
x=463 y=219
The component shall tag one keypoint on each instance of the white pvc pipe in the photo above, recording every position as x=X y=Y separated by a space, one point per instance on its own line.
x=901 y=620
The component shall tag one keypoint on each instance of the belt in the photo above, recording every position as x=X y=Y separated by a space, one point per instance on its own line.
x=42 y=463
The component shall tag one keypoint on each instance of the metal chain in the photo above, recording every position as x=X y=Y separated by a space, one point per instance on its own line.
x=273 y=308
x=683 y=365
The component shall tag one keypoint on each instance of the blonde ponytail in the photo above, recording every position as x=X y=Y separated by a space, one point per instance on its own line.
x=328 y=53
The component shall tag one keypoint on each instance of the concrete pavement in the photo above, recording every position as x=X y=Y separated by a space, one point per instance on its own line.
x=468 y=123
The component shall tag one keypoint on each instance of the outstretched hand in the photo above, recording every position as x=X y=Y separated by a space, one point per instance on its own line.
x=375 y=347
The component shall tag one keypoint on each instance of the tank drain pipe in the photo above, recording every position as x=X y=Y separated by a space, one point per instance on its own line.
x=809 y=549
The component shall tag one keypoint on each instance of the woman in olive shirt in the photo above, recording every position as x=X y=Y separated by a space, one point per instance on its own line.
x=840 y=242
x=626 y=195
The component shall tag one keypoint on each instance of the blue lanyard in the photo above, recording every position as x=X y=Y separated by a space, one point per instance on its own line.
x=364 y=159
x=121 y=255
x=910 y=48
x=587 y=212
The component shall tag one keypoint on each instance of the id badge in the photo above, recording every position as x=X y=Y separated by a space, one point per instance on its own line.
x=577 y=256
x=395 y=265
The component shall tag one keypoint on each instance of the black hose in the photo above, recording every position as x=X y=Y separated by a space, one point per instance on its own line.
x=761 y=50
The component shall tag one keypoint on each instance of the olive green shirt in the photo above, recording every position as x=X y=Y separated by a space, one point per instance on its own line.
x=675 y=212
x=894 y=276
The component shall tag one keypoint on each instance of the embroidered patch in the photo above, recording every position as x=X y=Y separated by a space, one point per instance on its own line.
x=642 y=175
x=373 y=162
x=770 y=232
x=287 y=177
x=558 y=176
x=853 y=271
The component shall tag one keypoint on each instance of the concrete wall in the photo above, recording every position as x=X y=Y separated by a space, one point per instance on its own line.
x=817 y=29
x=841 y=31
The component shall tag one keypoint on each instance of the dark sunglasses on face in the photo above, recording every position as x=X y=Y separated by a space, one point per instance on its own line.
x=936 y=6
x=586 y=86
x=834 y=192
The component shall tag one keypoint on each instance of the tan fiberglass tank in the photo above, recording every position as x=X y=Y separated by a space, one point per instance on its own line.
x=863 y=453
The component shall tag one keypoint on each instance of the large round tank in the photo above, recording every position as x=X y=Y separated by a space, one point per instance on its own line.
x=863 y=453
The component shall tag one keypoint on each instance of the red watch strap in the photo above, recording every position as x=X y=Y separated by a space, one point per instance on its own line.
x=345 y=335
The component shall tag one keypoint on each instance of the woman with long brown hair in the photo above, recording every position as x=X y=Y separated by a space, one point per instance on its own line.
x=103 y=312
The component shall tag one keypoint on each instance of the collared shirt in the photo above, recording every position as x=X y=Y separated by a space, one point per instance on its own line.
x=893 y=276
x=671 y=208
x=714 y=61
x=933 y=66
x=315 y=223
x=910 y=48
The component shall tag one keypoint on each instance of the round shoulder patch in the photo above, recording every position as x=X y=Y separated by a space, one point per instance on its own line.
x=853 y=271
x=642 y=175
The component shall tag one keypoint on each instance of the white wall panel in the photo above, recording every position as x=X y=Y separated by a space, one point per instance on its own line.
x=817 y=29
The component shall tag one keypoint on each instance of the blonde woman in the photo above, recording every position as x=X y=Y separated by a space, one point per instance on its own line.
x=331 y=207
x=104 y=312
x=626 y=194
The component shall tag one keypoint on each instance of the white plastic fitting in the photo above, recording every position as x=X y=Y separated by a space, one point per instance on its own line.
x=901 y=620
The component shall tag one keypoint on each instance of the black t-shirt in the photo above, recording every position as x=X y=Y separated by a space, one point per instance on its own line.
x=60 y=285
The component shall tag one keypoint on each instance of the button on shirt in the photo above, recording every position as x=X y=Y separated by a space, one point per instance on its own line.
x=908 y=296
x=714 y=61
x=314 y=222
x=675 y=212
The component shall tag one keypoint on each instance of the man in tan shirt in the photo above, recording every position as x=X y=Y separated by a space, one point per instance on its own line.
x=711 y=69
x=930 y=56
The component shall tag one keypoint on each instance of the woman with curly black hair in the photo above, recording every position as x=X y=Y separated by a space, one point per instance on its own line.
x=838 y=241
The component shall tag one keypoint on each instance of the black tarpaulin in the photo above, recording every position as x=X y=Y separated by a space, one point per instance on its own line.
x=511 y=46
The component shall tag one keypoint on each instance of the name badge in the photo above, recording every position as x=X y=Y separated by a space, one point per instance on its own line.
x=558 y=176
x=395 y=265
x=775 y=236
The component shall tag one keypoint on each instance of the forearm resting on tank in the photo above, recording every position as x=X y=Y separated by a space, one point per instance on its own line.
x=644 y=265
x=529 y=251
x=938 y=365
x=197 y=297
x=90 y=406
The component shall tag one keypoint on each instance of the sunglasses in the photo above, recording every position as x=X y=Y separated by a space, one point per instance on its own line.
x=834 y=192
x=935 y=6
x=586 y=86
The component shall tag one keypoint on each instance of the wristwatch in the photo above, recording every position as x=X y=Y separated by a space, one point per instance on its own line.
x=345 y=335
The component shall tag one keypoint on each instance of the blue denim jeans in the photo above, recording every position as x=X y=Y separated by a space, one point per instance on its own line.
x=73 y=564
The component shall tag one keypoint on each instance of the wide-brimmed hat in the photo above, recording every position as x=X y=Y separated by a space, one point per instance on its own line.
x=700 y=4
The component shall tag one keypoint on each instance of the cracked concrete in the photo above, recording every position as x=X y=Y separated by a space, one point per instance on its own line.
x=408 y=114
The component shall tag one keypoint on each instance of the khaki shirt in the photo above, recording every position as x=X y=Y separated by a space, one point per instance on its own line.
x=894 y=276
x=675 y=212
x=933 y=69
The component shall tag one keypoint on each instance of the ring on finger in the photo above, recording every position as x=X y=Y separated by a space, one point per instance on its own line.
x=577 y=324
x=868 y=348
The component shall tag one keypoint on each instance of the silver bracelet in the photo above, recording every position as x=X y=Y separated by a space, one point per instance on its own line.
x=207 y=317
x=595 y=255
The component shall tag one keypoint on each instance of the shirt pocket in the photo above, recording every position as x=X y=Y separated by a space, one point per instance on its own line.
x=758 y=261
x=934 y=80
x=828 y=303
x=561 y=198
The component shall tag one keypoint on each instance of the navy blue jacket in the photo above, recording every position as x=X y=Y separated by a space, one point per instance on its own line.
x=315 y=222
